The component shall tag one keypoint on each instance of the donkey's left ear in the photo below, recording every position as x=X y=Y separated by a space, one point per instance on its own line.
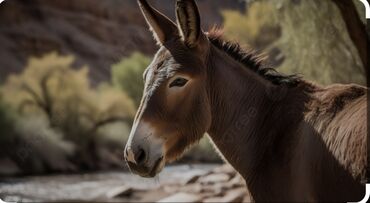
x=188 y=20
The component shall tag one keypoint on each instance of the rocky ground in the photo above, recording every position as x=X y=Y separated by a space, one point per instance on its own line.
x=185 y=183
x=221 y=184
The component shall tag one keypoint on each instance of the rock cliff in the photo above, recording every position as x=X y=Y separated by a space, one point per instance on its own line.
x=98 y=33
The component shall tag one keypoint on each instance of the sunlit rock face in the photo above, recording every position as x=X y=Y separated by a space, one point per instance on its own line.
x=305 y=37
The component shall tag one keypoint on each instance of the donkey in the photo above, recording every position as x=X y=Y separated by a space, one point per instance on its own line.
x=290 y=139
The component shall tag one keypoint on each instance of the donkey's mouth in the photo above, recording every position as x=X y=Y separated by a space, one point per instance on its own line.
x=156 y=168
x=146 y=171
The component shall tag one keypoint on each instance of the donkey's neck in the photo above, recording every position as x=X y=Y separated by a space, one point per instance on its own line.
x=235 y=96
x=247 y=114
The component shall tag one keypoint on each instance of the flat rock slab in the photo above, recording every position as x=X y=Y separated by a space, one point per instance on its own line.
x=237 y=195
x=235 y=182
x=119 y=192
x=192 y=176
x=182 y=197
x=214 y=178
x=226 y=168
x=192 y=188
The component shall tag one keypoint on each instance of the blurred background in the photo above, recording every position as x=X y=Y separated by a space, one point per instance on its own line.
x=71 y=81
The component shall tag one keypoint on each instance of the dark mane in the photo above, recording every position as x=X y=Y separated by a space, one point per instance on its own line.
x=250 y=59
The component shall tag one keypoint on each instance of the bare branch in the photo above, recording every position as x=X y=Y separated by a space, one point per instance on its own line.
x=109 y=120
x=25 y=103
x=33 y=94
x=356 y=29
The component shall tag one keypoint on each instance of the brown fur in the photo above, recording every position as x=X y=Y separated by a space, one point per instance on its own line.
x=308 y=144
x=290 y=139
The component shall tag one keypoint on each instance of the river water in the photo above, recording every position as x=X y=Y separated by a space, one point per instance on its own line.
x=93 y=186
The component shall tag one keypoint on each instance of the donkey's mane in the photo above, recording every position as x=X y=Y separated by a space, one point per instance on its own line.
x=251 y=60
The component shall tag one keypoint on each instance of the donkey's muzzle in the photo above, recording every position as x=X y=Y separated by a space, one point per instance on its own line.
x=138 y=161
x=135 y=156
x=144 y=152
x=144 y=170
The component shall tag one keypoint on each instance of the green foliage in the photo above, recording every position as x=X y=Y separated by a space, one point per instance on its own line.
x=41 y=148
x=26 y=139
x=50 y=86
x=6 y=123
x=128 y=75
x=247 y=28
x=57 y=107
x=314 y=41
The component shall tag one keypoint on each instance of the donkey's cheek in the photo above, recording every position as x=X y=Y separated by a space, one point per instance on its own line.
x=177 y=99
x=175 y=147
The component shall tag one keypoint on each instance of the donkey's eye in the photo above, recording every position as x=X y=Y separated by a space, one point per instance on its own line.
x=178 y=82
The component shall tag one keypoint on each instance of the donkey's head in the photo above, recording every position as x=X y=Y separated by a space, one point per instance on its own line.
x=174 y=110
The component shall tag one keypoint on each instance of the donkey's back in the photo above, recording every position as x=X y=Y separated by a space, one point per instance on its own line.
x=333 y=143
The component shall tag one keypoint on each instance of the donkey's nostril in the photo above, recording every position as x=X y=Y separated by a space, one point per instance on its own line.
x=140 y=156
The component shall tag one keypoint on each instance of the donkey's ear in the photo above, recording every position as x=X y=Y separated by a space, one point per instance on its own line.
x=188 y=20
x=162 y=27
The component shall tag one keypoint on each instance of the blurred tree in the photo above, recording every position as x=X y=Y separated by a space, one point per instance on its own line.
x=24 y=141
x=356 y=29
x=128 y=75
x=314 y=39
x=64 y=95
x=247 y=27
x=50 y=91
x=6 y=124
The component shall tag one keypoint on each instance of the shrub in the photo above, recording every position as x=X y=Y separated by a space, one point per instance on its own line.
x=254 y=27
x=6 y=124
x=24 y=140
x=41 y=148
x=56 y=104
x=128 y=75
